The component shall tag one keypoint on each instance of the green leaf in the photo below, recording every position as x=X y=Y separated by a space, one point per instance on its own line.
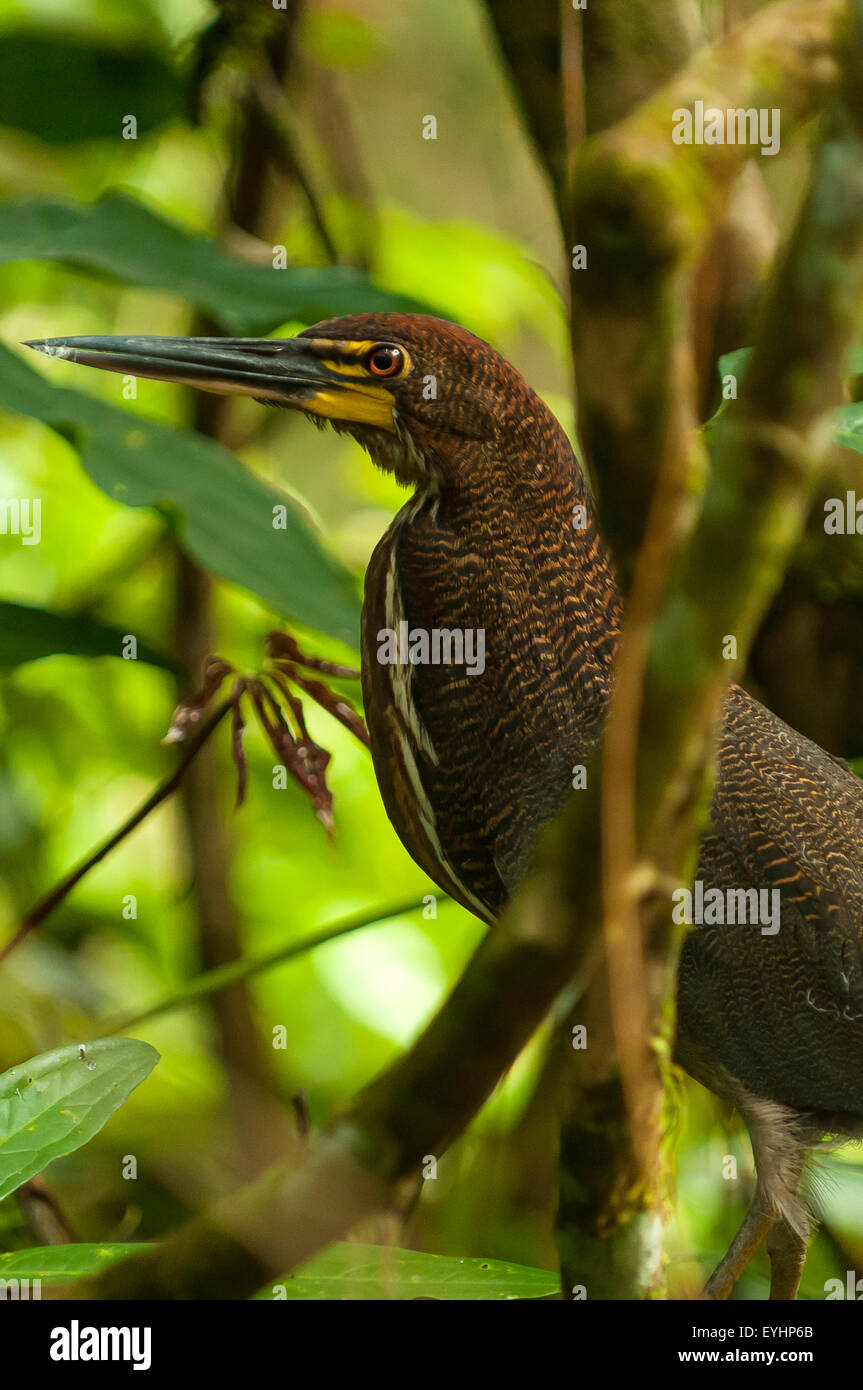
x=846 y=420
x=118 y=237
x=734 y=363
x=53 y=1104
x=65 y=88
x=848 y=426
x=336 y=39
x=345 y=1271
x=353 y=1271
x=222 y=512
x=60 y=1263
x=27 y=634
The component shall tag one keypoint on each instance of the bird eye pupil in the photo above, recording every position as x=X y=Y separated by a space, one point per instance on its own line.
x=384 y=361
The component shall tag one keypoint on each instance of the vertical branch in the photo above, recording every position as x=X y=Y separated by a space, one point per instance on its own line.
x=209 y=851
x=530 y=39
x=645 y=208
x=247 y=207
x=630 y=50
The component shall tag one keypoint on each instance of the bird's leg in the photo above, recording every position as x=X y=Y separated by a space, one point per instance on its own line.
x=756 y=1225
x=786 y=1244
x=780 y=1139
x=787 y=1250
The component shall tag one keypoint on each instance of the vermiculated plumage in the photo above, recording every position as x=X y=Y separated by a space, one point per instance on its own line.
x=522 y=562
x=783 y=1012
x=500 y=535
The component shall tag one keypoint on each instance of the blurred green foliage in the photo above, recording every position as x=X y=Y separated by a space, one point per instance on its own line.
x=223 y=515
x=60 y=66
x=119 y=238
x=101 y=234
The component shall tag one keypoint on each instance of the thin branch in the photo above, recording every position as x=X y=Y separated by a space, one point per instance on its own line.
x=659 y=735
x=235 y=971
x=530 y=41
x=44 y=1214
x=270 y=103
x=52 y=900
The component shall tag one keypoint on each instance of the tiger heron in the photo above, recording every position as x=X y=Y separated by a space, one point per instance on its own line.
x=472 y=766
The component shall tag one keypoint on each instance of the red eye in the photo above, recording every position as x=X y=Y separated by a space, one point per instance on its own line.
x=385 y=361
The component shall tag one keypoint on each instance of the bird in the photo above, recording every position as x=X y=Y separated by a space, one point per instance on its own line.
x=491 y=621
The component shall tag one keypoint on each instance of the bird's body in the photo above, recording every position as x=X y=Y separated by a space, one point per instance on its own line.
x=472 y=766
x=473 y=762
x=773 y=1021
x=781 y=1011
x=499 y=536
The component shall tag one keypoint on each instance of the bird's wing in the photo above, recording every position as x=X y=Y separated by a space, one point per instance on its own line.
x=792 y=812
x=781 y=1010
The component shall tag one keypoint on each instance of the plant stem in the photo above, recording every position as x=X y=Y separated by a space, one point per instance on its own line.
x=210 y=981
x=45 y=906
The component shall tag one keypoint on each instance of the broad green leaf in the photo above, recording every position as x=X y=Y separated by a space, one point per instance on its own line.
x=27 y=633
x=120 y=238
x=53 y=1104
x=222 y=513
x=349 y=1271
x=65 y=88
x=345 y=1271
x=60 y=1263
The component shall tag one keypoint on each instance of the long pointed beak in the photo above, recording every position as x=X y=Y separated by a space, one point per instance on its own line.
x=303 y=373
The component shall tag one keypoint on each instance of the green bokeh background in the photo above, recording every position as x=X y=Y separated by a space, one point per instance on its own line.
x=465 y=225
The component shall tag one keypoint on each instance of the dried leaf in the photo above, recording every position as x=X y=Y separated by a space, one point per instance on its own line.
x=336 y=705
x=188 y=712
x=281 y=646
x=280 y=713
x=306 y=761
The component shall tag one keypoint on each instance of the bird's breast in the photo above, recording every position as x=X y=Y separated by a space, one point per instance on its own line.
x=473 y=719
